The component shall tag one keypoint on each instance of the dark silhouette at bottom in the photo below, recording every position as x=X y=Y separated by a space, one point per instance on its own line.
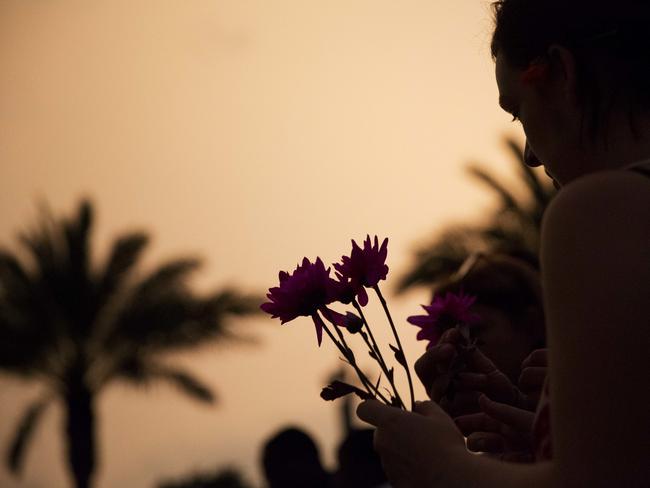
x=290 y=459
x=359 y=463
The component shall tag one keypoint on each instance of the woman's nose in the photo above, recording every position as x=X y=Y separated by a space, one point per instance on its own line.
x=529 y=157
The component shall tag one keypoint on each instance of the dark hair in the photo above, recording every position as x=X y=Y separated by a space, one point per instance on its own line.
x=609 y=40
x=359 y=464
x=290 y=459
x=504 y=283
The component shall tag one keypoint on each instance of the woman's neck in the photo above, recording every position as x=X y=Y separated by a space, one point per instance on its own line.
x=624 y=144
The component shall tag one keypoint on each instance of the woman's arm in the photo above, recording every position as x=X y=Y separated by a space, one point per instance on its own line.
x=424 y=449
x=596 y=275
x=596 y=272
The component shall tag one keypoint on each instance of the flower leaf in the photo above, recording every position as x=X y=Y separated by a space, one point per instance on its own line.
x=378 y=381
x=349 y=355
x=338 y=389
x=399 y=355
x=391 y=374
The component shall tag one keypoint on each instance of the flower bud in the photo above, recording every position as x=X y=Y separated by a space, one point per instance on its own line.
x=353 y=323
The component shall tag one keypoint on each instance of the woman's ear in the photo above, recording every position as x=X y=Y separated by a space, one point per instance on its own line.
x=563 y=65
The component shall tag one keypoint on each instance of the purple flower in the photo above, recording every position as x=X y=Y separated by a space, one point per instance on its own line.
x=443 y=313
x=304 y=293
x=363 y=268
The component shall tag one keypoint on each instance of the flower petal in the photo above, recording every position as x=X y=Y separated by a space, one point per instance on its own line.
x=318 y=322
x=363 y=297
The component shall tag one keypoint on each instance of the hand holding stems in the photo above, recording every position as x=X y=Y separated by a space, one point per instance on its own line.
x=417 y=448
x=494 y=414
x=499 y=429
x=480 y=375
x=533 y=375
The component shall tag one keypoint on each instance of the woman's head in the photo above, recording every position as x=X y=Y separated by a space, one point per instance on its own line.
x=571 y=70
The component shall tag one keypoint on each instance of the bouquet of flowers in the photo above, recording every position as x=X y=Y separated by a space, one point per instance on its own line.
x=310 y=291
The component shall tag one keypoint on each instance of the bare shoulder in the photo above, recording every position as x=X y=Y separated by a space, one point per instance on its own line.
x=601 y=197
x=604 y=212
x=596 y=243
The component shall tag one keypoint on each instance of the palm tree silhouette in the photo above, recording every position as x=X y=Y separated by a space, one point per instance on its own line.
x=513 y=228
x=77 y=327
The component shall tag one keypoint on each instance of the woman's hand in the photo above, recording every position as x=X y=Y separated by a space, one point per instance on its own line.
x=499 y=429
x=417 y=448
x=533 y=375
x=482 y=376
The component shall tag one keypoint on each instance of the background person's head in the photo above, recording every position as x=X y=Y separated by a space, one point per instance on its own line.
x=290 y=459
x=509 y=302
x=359 y=463
x=577 y=75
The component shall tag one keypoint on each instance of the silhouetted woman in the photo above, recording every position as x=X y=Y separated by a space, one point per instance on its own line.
x=576 y=74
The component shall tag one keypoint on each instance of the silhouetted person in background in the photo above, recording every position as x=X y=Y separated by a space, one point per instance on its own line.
x=508 y=366
x=359 y=463
x=291 y=460
x=508 y=295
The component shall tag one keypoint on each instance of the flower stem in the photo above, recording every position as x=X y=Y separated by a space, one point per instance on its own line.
x=378 y=356
x=399 y=344
x=343 y=348
x=353 y=362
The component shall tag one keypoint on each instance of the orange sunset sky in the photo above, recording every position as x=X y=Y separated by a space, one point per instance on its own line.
x=251 y=133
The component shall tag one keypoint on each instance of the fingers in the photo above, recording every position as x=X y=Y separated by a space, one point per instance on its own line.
x=474 y=381
x=532 y=378
x=539 y=357
x=477 y=422
x=439 y=388
x=531 y=382
x=481 y=363
x=433 y=365
x=428 y=409
x=376 y=413
x=434 y=362
x=515 y=418
x=486 y=442
x=464 y=402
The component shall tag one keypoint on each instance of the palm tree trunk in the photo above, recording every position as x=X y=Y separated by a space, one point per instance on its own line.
x=80 y=432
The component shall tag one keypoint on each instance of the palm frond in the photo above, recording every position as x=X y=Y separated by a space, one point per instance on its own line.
x=541 y=193
x=229 y=301
x=508 y=200
x=77 y=241
x=124 y=256
x=77 y=296
x=515 y=149
x=174 y=319
x=25 y=332
x=172 y=275
x=143 y=371
x=442 y=256
x=59 y=280
x=24 y=432
x=15 y=283
x=186 y=383
x=513 y=228
x=43 y=246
